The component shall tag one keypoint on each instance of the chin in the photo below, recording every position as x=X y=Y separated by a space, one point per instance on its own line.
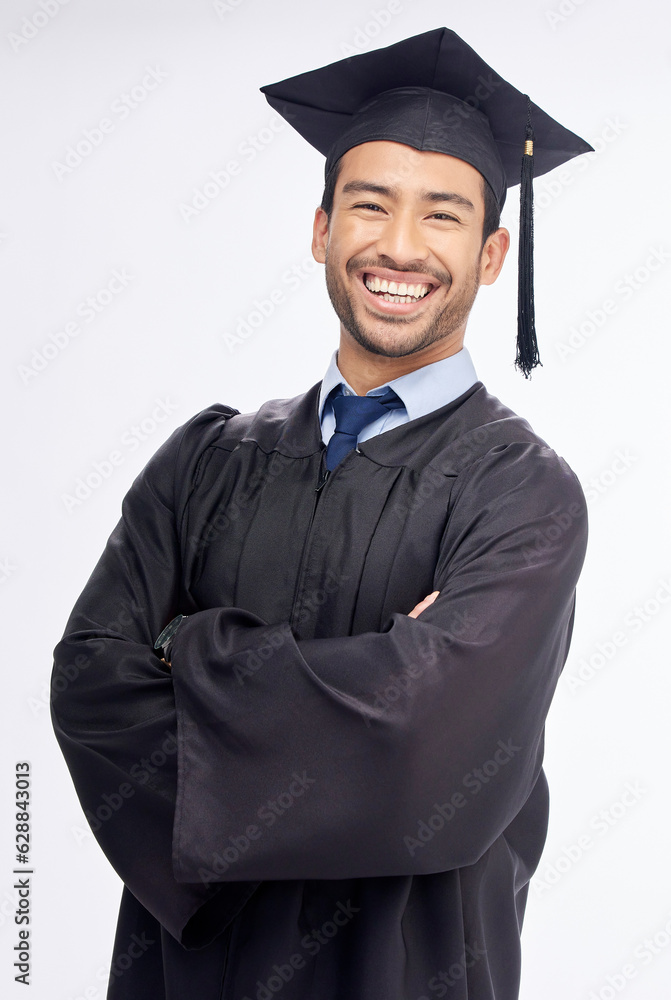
x=393 y=347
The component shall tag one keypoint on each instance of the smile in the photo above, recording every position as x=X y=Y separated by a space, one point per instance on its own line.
x=394 y=291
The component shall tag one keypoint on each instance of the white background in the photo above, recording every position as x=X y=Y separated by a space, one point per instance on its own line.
x=601 y=398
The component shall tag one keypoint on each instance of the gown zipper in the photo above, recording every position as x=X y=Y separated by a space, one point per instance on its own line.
x=323 y=479
x=324 y=476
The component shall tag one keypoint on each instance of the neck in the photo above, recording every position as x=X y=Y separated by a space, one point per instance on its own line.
x=364 y=370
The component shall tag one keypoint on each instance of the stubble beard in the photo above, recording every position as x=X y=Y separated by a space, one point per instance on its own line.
x=442 y=324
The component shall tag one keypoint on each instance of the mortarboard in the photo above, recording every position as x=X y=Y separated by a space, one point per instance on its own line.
x=434 y=92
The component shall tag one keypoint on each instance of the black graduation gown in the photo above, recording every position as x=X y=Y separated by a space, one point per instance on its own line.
x=354 y=803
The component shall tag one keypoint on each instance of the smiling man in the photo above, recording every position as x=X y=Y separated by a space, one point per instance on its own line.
x=364 y=596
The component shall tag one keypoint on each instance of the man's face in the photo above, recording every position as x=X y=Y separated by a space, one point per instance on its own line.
x=403 y=248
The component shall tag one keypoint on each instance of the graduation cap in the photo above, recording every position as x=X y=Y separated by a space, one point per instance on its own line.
x=434 y=92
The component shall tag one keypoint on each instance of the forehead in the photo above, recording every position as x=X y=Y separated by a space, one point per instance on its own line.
x=409 y=171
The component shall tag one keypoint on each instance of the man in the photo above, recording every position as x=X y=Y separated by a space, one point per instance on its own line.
x=365 y=597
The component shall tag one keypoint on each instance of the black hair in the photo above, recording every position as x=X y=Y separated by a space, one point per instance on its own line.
x=492 y=218
x=329 y=188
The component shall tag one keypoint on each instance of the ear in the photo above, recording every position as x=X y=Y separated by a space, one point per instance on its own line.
x=493 y=255
x=320 y=236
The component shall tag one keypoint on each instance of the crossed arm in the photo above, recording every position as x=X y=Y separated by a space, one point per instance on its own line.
x=370 y=771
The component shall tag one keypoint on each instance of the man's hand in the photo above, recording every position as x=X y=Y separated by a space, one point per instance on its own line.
x=423 y=605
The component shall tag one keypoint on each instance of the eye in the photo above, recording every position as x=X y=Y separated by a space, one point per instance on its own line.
x=444 y=217
x=369 y=206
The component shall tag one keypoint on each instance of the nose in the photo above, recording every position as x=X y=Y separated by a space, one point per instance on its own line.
x=401 y=238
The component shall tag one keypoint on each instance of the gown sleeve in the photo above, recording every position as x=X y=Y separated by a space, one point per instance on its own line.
x=404 y=751
x=113 y=706
x=325 y=758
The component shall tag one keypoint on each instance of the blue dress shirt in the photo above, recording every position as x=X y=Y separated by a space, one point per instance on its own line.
x=421 y=392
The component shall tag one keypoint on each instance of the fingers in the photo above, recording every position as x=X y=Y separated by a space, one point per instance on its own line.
x=423 y=605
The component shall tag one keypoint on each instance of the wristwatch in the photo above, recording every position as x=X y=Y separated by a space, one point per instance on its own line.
x=164 y=641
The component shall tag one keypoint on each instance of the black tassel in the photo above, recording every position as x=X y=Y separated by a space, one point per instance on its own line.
x=527 y=346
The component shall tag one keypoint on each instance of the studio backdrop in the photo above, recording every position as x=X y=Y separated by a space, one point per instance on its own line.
x=155 y=258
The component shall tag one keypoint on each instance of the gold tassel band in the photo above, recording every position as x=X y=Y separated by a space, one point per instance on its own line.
x=529 y=147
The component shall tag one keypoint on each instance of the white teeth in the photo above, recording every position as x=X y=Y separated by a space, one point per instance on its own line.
x=392 y=291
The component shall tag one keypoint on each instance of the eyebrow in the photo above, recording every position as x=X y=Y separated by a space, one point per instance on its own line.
x=393 y=192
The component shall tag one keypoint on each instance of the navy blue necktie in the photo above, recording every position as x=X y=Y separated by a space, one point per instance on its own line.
x=352 y=414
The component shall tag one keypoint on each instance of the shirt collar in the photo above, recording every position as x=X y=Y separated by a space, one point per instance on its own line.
x=422 y=391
